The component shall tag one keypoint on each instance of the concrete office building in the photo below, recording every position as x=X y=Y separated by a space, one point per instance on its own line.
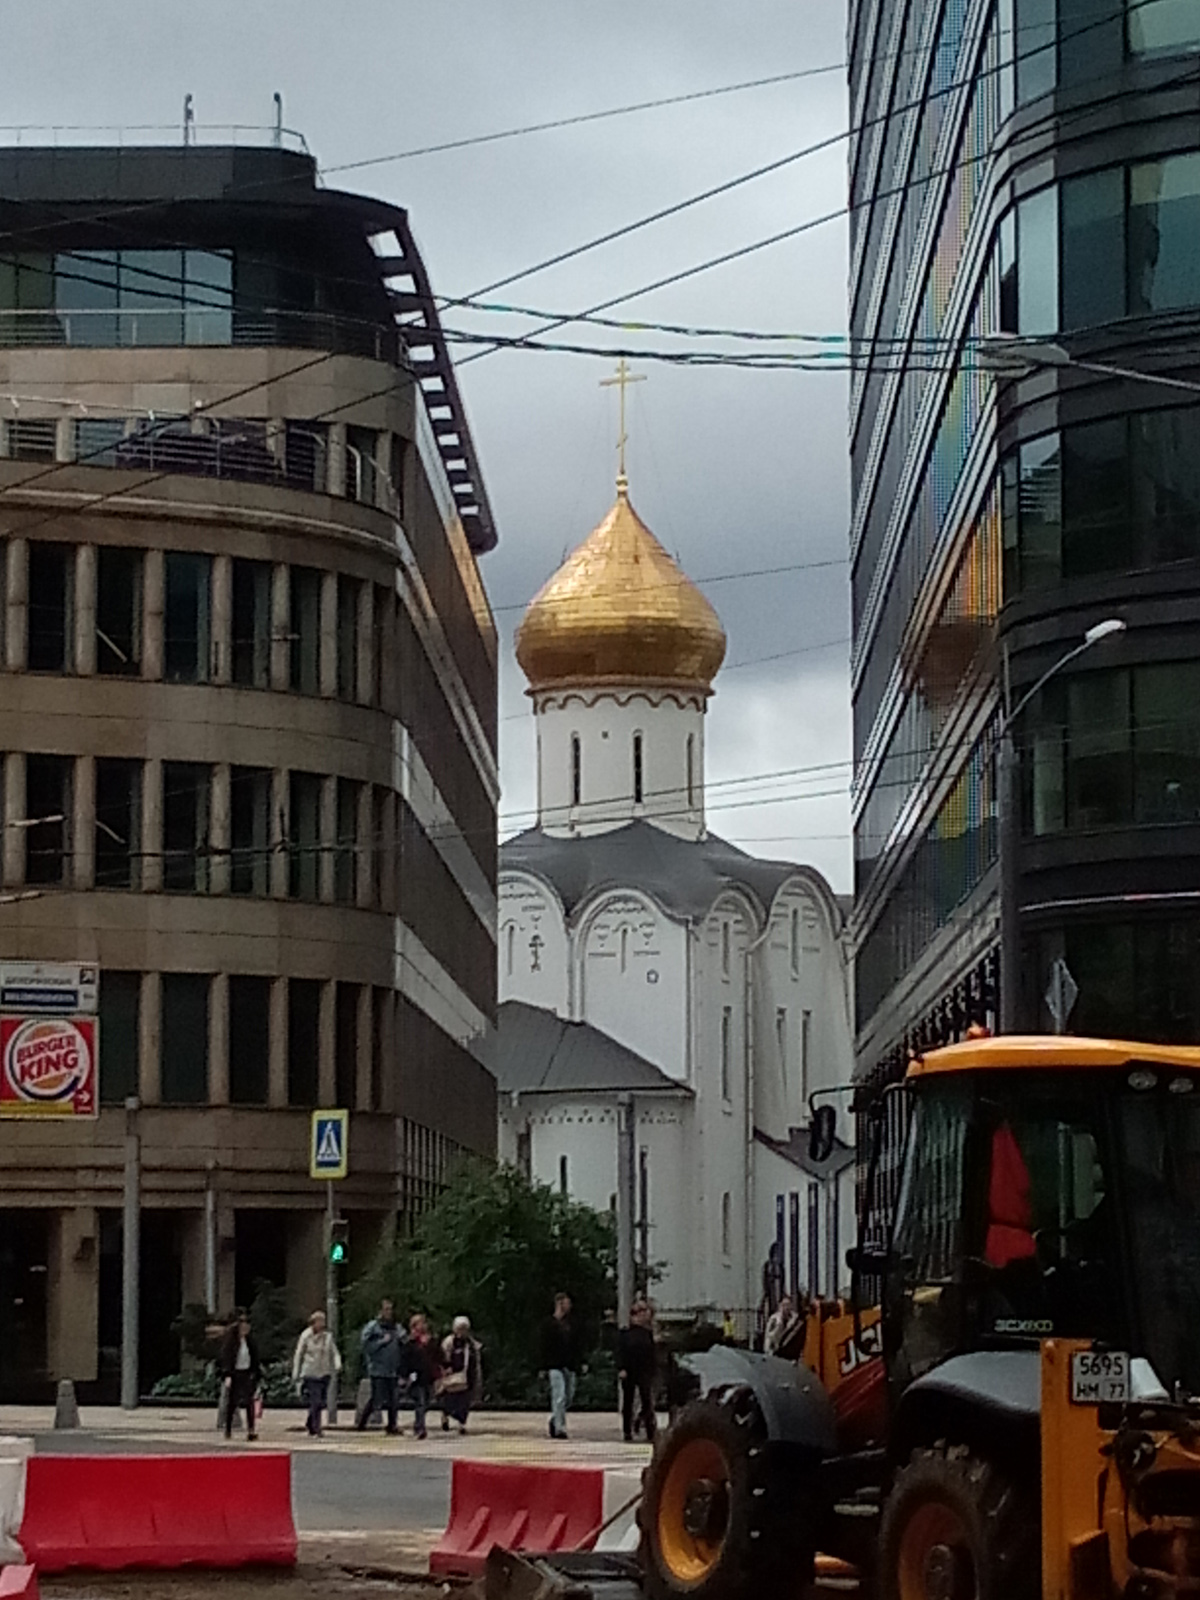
x=1027 y=167
x=247 y=724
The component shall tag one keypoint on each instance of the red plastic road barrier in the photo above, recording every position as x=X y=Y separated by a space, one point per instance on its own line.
x=18 y=1581
x=110 y=1512
x=520 y=1508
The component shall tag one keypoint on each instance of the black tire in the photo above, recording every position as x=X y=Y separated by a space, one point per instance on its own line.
x=722 y=1517
x=956 y=1527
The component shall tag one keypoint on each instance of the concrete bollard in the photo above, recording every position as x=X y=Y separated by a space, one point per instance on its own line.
x=66 y=1407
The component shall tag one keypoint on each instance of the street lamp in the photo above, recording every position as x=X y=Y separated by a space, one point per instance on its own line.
x=1012 y=356
x=1010 y=931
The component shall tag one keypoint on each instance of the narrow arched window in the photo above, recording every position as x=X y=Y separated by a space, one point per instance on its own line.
x=624 y=949
x=576 y=771
x=637 y=768
x=691 y=769
x=795 y=942
x=510 y=940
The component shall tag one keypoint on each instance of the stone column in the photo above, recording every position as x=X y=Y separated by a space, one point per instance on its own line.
x=83 y=823
x=389 y=1100
x=16 y=622
x=365 y=1045
x=388 y=853
x=73 y=1294
x=329 y=639
x=327 y=1045
x=218 y=831
x=153 y=608
x=277 y=1063
x=152 y=824
x=328 y=856
x=280 y=811
x=367 y=846
x=150 y=1039
x=14 y=814
x=365 y=688
x=336 y=483
x=390 y=695
x=218 y=1040
x=306 y=1262
x=85 y=610
x=222 y=619
x=281 y=627
x=64 y=439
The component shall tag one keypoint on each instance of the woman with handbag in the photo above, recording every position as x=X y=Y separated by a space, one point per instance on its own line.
x=461 y=1381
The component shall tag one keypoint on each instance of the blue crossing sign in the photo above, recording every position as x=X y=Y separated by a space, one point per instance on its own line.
x=329 y=1144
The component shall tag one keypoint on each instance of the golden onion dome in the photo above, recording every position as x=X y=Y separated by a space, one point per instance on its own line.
x=620 y=610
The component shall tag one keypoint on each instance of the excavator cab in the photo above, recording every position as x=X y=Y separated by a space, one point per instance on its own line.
x=1013 y=1409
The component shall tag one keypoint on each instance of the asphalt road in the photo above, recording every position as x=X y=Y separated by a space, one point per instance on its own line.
x=332 y=1489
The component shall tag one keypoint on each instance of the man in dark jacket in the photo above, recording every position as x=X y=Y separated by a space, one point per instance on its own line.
x=240 y=1371
x=418 y=1362
x=381 y=1344
x=636 y=1364
x=560 y=1359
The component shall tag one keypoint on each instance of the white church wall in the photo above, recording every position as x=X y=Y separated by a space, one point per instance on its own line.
x=785 y=1198
x=631 y=960
x=570 y=1141
x=606 y=725
x=532 y=944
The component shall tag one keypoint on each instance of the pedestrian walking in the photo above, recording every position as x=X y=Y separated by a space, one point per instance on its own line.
x=560 y=1359
x=315 y=1362
x=460 y=1385
x=637 y=1360
x=419 y=1365
x=381 y=1341
x=240 y=1371
x=779 y=1325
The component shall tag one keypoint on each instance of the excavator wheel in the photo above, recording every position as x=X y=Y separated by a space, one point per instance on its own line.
x=954 y=1527
x=719 y=1519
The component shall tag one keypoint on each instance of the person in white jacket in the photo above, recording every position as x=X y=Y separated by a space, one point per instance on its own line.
x=316 y=1361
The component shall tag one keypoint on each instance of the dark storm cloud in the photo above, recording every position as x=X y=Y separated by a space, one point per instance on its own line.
x=733 y=470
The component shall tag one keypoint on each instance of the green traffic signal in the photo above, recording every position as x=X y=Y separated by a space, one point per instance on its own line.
x=339 y=1238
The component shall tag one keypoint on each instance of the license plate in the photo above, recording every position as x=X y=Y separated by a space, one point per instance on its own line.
x=1099 y=1378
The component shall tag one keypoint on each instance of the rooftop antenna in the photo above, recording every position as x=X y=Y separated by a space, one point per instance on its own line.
x=278 y=98
x=189 y=120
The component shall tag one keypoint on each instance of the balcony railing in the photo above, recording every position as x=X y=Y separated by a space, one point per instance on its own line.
x=168 y=327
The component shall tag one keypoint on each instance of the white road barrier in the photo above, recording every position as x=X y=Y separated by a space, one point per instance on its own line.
x=621 y=1485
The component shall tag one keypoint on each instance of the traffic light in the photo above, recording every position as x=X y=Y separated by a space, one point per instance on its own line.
x=339 y=1240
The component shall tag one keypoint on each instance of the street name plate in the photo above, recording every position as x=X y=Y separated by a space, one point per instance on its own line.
x=1099 y=1377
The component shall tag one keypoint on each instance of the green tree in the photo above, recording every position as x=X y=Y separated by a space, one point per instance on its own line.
x=495 y=1248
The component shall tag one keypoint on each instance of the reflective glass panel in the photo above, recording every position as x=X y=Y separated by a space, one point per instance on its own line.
x=1160 y=25
x=1165 y=473
x=1164 y=234
x=1167 y=742
x=208 y=287
x=1099 y=765
x=1095 y=498
x=1040 y=497
x=151 y=297
x=85 y=296
x=1037 y=54
x=1093 y=249
x=1037 y=262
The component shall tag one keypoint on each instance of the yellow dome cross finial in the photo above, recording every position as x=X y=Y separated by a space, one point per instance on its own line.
x=621 y=381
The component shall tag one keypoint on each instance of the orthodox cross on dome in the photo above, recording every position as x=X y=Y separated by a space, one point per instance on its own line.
x=621 y=381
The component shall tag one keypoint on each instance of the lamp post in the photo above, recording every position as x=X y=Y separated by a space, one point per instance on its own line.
x=1010 y=928
x=1009 y=355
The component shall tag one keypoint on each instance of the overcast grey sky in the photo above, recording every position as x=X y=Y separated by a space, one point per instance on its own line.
x=733 y=470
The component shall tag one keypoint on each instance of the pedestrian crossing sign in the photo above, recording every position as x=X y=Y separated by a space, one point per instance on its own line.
x=328 y=1147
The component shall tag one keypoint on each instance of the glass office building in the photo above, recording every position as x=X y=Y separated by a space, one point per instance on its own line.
x=1028 y=168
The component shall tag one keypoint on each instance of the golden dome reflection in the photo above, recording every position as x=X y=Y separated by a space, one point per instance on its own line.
x=620 y=610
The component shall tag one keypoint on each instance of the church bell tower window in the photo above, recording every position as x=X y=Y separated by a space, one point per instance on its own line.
x=576 y=771
x=691 y=770
x=637 y=769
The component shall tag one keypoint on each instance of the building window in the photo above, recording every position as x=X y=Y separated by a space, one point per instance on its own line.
x=805 y=1048
x=691 y=769
x=346 y=1044
x=1036 y=28
x=362 y=470
x=118 y=611
x=510 y=935
x=727 y=1053
x=306 y=630
x=576 y=771
x=251 y=664
x=249 y=1040
x=726 y=1224
x=31 y=439
x=525 y=1152
x=250 y=830
x=51 y=602
x=304 y=1041
x=1037 y=263
x=118 y=823
x=304 y=836
x=187 y=617
x=143 y=297
x=794 y=941
x=1164 y=234
x=306 y=455
x=781 y=1018
x=564 y=1186
x=637 y=769
x=186 y=791
x=183 y=1039
x=119 y=1014
x=726 y=949
x=98 y=439
x=345 y=872
x=349 y=591
x=48 y=798
x=1157 y=27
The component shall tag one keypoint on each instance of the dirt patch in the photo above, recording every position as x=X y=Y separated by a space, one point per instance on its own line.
x=312 y=1579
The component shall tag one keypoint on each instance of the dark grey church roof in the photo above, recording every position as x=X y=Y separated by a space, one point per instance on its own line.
x=684 y=875
x=537 y=1051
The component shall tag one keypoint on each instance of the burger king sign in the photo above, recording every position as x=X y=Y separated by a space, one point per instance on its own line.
x=49 y=1066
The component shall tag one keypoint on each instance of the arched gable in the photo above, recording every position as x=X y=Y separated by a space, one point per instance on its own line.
x=533 y=947
x=630 y=960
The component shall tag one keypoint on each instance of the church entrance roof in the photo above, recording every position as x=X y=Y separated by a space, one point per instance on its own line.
x=538 y=1052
